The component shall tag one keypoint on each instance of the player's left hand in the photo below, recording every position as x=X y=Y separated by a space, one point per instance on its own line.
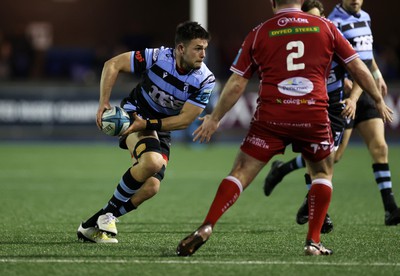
x=138 y=124
x=385 y=111
x=349 y=110
x=204 y=132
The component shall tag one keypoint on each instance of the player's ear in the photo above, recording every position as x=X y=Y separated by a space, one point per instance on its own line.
x=181 y=48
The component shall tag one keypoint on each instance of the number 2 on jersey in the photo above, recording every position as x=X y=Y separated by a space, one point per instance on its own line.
x=290 y=64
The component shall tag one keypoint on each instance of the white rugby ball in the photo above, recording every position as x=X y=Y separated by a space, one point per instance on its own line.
x=115 y=121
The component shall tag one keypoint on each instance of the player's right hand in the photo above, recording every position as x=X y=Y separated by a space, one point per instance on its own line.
x=204 y=132
x=99 y=114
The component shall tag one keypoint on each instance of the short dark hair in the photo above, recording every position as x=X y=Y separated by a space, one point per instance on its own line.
x=189 y=30
x=310 y=4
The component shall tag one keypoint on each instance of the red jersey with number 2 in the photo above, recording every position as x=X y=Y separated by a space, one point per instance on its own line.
x=291 y=54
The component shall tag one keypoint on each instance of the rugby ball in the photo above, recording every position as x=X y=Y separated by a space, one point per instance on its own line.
x=115 y=121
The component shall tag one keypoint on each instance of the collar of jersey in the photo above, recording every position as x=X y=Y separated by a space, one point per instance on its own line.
x=288 y=10
x=357 y=15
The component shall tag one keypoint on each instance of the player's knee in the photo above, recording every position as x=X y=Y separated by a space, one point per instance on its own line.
x=148 y=151
x=153 y=163
x=160 y=174
x=153 y=187
x=379 y=151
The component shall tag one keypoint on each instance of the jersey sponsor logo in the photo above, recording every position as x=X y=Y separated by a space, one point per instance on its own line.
x=283 y=21
x=362 y=43
x=297 y=86
x=324 y=145
x=257 y=142
x=294 y=30
x=296 y=101
x=164 y=99
x=289 y=124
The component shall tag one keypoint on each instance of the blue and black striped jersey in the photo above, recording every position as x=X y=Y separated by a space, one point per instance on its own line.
x=357 y=30
x=163 y=91
x=335 y=82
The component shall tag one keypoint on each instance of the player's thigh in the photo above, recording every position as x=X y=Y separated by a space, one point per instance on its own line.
x=316 y=143
x=246 y=168
x=135 y=137
x=321 y=169
x=132 y=143
x=373 y=133
x=372 y=130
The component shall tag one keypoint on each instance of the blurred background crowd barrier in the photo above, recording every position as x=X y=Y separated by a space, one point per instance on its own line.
x=67 y=113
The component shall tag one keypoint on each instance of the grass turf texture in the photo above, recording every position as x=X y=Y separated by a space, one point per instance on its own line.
x=47 y=190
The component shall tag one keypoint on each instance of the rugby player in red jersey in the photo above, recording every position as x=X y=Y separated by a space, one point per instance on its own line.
x=291 y=54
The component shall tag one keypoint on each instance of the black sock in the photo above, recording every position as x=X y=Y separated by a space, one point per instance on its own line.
x=126 y=188
x=125 y=208
x=92 y=222
x=294 y=164
x=383 y=179
x=307 y=180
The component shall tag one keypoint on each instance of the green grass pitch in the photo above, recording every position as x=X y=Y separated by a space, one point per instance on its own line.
x=46 y=190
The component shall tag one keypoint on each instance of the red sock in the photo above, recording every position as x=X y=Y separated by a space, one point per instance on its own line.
x=228 y=192
x=319 y=198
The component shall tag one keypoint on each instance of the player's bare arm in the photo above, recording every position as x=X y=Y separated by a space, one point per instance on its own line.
x=231 y=93
x=380 y=82
x=187 y=115
x=109 y=75
x=363 y=77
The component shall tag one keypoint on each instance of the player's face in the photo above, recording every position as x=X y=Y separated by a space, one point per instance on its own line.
x=193 y=54
x=353 y=6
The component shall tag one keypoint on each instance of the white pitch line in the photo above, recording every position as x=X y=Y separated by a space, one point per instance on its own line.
x=200 y=262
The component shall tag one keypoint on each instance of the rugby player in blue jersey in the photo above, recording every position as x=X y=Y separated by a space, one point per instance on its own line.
x=355 y=26
x=175 y=88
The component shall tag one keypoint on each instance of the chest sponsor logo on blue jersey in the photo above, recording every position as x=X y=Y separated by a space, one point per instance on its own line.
x=164 y=99
x=362 y=43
